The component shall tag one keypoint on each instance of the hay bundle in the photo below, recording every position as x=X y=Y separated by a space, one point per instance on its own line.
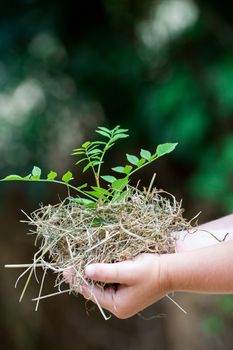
x=72 y=235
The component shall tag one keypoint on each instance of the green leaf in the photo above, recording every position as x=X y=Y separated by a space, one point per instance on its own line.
x=84 y=201
x=36 y=173
x=78 y=149
x=119 y=169
x=87 y=167
x=76 y=153
x=96 y=162
x=145 y=154
x=141 y=162
x=103 y=133
x=120 y=195
x=104 y=129
x=120 y=131
x=12 y=178
x=95 y=157
x=95 y=151
x=98 y=143
x=81 y=160
x=165 y=148
x=97 y=195
x=119 y=136
x=68 y=176
x=86 y=144
x=52 y=175
x=120 y=184
x=101 y=190
x=82 y=186
x=132 y=159
x=127 y=169
x=108 y=178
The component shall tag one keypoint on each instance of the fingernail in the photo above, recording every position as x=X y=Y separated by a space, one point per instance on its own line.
x=89 y=271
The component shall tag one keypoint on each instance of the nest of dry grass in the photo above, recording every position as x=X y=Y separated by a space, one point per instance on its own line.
x=70 y=235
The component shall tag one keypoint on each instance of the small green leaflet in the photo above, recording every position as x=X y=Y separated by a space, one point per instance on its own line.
x=104 y=129
x=119 y=169
x=87 y=167
x=95 y=151
x=12 y=178
x=84 y=201
x=109 y=178
x=120 y=131
x=101 y=190
x=86 y=144
x=52 y=175
x=98 y=195
x=141 y=162
x=165 y=148
x=132 y=159
x=127 y=169
x=103 y=133
x=36 y=173
x=68 y=176
x=119 y=136
x=145 y=154
x=120 y=184
x=120 y=195
x=82 y=186
x=81 y=160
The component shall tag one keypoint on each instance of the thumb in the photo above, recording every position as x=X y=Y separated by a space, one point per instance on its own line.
x=121 y=272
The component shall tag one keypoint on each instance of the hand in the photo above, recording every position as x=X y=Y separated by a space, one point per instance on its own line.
x=141 y=282
x=201 y=264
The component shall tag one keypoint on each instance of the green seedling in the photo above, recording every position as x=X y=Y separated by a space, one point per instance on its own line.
x=91 y=155
x=109 y=220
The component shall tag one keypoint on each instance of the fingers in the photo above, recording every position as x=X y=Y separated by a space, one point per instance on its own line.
x=121 y=273
x=108 y=298
x=105 y=297
x=112 y=273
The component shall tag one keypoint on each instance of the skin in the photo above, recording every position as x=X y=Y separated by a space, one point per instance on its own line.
x=202 y=263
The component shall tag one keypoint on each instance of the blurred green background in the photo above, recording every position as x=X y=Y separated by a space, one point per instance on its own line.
x=163 y=69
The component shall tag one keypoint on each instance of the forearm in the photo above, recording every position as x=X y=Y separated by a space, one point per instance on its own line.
x=205 y=235
x=207 y=269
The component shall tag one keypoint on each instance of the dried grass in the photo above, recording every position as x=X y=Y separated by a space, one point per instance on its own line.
x=70 y=235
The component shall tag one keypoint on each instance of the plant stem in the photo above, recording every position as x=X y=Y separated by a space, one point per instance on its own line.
x=101 y=159
x=94 y=172
x=142 y=166
x=61 y=183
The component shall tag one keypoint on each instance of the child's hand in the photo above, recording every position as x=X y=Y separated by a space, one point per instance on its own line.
x=142 y=281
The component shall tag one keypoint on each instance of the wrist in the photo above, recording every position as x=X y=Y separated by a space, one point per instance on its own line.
x=175 y=269
x=166 y=273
